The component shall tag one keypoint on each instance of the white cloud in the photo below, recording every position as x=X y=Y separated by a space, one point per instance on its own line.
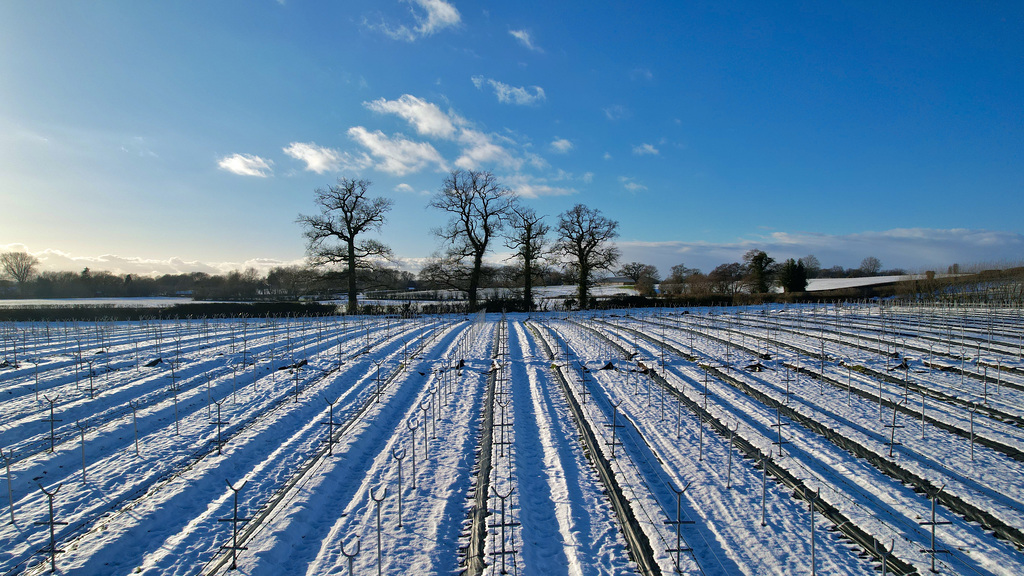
x=407 y=189
x=317 y=158
x=439 y=15
x=507 y=94
x=396 y=155
x=645 y=150
x=616 y=112
x=524 y=38
x=426 y=117
x=631 y=185
x=479 y=149
x=246 y=165
x=561 y=145
x=137 y=146
x=588 y=177
x=641 y=74
x=530 y=187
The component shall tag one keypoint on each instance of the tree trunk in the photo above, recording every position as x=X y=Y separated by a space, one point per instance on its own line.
x=474 y=279
x=528 y=283
x=353 y=304
x=584 y=275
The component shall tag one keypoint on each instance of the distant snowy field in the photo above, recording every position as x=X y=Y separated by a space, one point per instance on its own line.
x=345 y=434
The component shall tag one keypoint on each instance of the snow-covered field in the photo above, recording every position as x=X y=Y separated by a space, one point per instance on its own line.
x=762 y=440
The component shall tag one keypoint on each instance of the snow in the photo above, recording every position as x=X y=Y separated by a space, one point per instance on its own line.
x=398 y=397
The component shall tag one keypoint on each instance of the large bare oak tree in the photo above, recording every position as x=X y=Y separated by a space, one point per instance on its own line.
x=527 y=236
x=18 y=265
x=478 y=206
x=332 y=237
x=585 y=236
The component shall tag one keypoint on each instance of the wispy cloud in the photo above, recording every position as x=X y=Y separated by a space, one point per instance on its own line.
x=641 y=74
x=530 y=187
x=507 y=94
x=317 y=158
x=645 y=150
x=480 y=149
x=525 y=39
x=407 y=189
x=396 y=155
x=138 y=146
x=561 y=145
x=616 y=112
x=427 y=118
x=431 y=17
x=631 y=184
x=246 y=165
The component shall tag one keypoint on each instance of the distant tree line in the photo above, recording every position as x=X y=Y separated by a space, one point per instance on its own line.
x=577 y=248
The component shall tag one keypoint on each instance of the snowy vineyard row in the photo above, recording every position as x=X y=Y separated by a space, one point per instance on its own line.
x=762 y=440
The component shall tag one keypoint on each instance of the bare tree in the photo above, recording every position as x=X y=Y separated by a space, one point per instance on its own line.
x=644 y=277
x=528 y=237
x=870 y=266
x=585 y=236
x=346 y=212
x=479 y=207
x=19 y=265
x=811 y=264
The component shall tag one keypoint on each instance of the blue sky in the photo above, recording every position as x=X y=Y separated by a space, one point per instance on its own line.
x=161 y=136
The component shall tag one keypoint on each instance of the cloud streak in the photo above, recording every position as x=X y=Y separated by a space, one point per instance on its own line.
x=317 y=158
x=426 y=117
x=518 y=95
x=397 y=155
x=525 y=39
x=246 y=165
x=432 y=17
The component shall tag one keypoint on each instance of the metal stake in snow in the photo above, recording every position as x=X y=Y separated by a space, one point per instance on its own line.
x=812 y=500
x=932 y=551
x=174 y=390
x=81 y=430
x=52 y=548
x=678 y=522
x=219 y=423
x=504 y=524
x=380 y=556
x=892 y=431
x=234 y=547
x=330 y=427
x=764 y=460
x=10 y=490
x=378 y=363
x=614 y=426
x=728 y=482
x=425 y=408
x=849 y=377
x=52 y=420
x=135 y=424
x=411 y=424
x=503 y=404
x=881 y=551
x=350 y=557
x=778 y=426
x=399 y=453
x=972 y=410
